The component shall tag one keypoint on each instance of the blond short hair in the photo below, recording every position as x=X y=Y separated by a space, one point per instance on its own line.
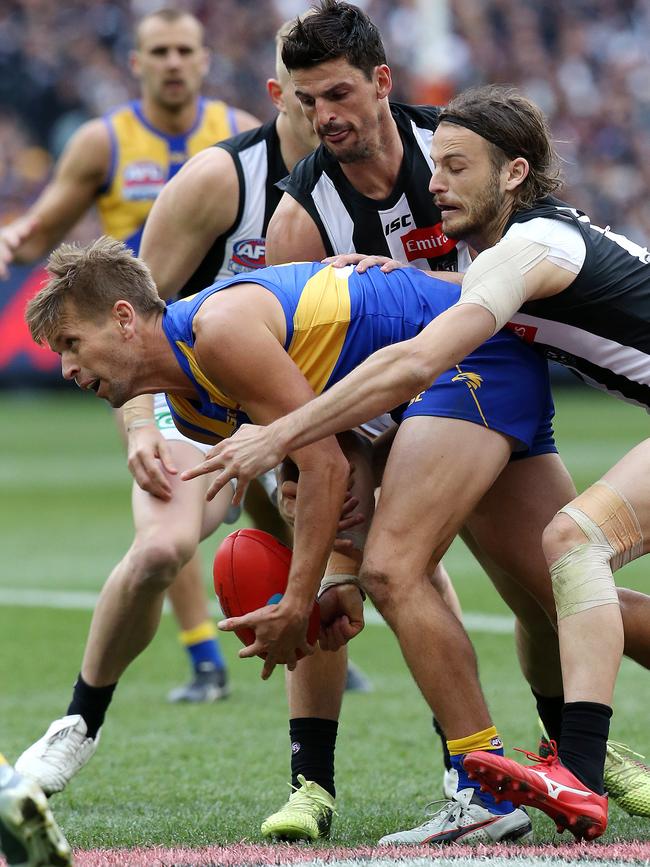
x=92 y=279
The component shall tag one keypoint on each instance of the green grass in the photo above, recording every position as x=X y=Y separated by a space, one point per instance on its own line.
x=197 y=775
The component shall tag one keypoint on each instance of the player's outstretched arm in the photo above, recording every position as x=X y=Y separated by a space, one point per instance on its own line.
x=80 y=172
x=391 y=376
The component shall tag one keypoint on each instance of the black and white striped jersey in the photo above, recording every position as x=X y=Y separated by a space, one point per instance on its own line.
x=405 y=226
x=258 y=160
x=599 y=326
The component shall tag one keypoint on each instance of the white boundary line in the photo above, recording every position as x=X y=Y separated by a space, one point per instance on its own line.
x=475 y=621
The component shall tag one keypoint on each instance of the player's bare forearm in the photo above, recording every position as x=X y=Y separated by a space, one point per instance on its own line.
x=390 y=377
x=321 y=490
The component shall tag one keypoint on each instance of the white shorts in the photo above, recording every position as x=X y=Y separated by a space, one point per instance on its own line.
x=168 y=429
x=377 y=426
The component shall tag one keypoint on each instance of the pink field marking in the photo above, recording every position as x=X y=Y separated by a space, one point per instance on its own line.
x=246 y=855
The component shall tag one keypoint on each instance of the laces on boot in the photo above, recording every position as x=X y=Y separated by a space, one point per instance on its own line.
x=549 y=759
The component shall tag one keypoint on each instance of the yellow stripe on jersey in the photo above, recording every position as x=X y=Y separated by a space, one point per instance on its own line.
x=320 y=326
x=188 y=413
x=216 y=395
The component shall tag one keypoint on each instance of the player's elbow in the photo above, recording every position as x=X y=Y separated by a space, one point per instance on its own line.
x=417 y=370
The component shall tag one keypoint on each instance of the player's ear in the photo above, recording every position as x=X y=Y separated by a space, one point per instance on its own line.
x=517 y=173
x=124 y=315
x=274 y=89
x=383 y=80
x=206 y=59
x=134 y=64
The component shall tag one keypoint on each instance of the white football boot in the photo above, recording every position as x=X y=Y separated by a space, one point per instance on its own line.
x=450 y=783
x=464 y=819
x=61 y=753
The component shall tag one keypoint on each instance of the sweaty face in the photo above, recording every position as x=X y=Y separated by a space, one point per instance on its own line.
x=342 y=106
x=170 y=61
x=94 y=354
x=466 y=185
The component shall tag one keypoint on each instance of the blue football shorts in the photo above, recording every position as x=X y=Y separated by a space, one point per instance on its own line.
x=504 y=386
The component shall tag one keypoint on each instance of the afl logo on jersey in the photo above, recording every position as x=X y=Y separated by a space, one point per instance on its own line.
x=427 y=243
x=142 y=180
x=248 y=255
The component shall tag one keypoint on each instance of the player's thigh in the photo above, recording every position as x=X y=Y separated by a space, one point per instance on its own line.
x=437 y=470
x=181 y=517
x=631 y=478
x=507 y=524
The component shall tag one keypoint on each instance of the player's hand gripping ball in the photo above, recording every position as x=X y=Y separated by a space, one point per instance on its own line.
x=250 y=571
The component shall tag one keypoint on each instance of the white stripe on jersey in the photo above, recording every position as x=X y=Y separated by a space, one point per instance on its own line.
x=336 y=220
x=601 y=351
x=423 y=138
x=254 y=166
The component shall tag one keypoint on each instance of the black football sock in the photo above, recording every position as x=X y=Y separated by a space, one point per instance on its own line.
x=91 y=702
x=313 y=742
x=585 y=729
x=443 y=741
x=550 y=713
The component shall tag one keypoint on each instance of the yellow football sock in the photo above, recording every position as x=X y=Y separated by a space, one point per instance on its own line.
x=488 y=739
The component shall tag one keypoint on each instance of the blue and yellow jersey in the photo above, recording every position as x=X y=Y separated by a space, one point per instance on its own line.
x=143 y=159
x=335 y=318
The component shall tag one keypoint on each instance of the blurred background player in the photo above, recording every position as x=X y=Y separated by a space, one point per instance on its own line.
x=29 y=835
x=120 y=162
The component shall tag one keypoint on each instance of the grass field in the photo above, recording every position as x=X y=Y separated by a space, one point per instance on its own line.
x=193 y=776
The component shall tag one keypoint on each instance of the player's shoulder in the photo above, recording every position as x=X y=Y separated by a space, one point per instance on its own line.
x=90 y=146
x=306 y=172
x=420 y=116
x=243 y=141
x=239 y=119
x=209 y=166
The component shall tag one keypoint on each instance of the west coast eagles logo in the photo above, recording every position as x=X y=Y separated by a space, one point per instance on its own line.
x=472 y=380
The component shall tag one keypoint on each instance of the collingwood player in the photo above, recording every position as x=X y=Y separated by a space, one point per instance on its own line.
x=581 y=293
x=365 y=189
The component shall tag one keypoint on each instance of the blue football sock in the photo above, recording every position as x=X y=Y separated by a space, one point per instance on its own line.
x=486 y=798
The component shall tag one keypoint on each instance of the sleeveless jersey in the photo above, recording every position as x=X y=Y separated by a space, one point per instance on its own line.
x=599 y=326
x=258 y=160
x=335 y=318
x=143 y=159
x=405 y=226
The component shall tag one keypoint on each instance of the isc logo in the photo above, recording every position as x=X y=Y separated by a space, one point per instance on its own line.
x=397 y=224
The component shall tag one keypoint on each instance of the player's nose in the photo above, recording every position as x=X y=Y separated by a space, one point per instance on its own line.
x=69 y=368
x=436 y=184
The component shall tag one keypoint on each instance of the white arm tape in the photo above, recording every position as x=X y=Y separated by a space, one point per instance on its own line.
x=335 y=580
x=495 y=279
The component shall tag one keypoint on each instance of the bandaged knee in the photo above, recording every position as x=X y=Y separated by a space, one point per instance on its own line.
x=583 y=577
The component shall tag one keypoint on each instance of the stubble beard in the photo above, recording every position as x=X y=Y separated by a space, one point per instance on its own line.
x=484 y=213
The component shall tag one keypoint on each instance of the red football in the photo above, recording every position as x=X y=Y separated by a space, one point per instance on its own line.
x=250 y=571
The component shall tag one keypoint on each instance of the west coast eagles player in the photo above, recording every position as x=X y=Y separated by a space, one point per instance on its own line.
x=119 y=163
